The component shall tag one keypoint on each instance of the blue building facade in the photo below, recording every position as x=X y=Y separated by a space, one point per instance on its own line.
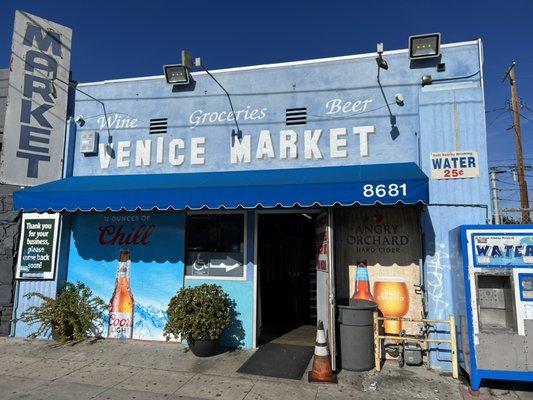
x=326 y=114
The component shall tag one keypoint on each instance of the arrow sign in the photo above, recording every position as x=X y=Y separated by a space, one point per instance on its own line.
x=226 y=263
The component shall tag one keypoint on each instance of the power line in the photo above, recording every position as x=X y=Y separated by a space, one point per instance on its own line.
x=495 y=119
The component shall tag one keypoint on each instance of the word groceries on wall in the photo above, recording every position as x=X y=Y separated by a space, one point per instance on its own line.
x=309 y=144
x=132 y=263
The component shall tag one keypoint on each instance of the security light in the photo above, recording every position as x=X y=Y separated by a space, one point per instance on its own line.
x=379 y=59
x=176 y=74
x=424 y=46
x=427 y=80
x=79 y=120
x=382 y=63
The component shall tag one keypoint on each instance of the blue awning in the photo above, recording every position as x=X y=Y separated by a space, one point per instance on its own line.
x=325 y=186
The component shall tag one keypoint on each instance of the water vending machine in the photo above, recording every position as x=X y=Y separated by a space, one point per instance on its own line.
x=493 y=292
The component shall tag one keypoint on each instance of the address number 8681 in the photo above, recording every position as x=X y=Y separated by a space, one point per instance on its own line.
x=381 y=190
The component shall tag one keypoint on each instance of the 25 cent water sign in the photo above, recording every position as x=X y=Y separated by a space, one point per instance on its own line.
x=37 y=251
x=454 y=165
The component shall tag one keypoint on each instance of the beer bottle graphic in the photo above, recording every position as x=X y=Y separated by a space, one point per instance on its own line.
x=121 y=304
x=362 y=284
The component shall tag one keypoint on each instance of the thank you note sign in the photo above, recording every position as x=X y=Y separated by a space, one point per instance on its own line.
x=37 y=250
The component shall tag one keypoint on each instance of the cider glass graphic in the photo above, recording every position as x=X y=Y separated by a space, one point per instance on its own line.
x=393 y=301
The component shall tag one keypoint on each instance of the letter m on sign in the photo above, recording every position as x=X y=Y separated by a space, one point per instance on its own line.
x=43 y=39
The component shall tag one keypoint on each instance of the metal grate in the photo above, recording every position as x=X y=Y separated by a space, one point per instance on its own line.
x=158 y=125
x=296 y=116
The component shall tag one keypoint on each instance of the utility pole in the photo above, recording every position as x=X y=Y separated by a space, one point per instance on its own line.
x=524 y=201
x=495 y=199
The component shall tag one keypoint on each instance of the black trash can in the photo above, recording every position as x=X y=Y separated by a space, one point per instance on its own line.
x=356 y=323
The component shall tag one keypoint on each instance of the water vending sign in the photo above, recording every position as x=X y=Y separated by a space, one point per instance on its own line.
x=454 y=165
x=493 y=250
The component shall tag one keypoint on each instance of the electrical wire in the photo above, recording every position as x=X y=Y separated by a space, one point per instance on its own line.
x=496 y=109
x=74 y=85
x=495 y=119
x=227 y=94
x=456 y=77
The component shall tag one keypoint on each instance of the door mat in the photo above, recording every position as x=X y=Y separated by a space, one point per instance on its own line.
x=279 y=361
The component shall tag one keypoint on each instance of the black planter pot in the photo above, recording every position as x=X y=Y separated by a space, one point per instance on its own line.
x=204 y=348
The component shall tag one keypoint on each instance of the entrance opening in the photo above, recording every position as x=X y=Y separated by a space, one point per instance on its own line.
x=287 y=278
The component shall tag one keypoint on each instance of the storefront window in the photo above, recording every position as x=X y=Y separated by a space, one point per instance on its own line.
x=214 y=245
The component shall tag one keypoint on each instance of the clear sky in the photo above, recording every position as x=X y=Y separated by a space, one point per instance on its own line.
x=120 y=39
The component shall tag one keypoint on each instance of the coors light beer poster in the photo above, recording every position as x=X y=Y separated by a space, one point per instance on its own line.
x=133 y=263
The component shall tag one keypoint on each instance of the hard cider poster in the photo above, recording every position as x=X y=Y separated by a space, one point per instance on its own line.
x=389 y=239
x=132 y=261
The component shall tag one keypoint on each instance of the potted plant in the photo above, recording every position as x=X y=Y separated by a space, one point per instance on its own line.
x=198 y=315
x=72 y=316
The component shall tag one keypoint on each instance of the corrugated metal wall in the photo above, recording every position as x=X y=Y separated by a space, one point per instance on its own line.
x=47 y=288
x=452 y=118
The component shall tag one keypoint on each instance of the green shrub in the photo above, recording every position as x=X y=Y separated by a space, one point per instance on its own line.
x=198 y=313
x=72 y=315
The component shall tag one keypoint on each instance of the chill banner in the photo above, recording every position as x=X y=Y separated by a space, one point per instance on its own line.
x=36 y=257
x=132 y=261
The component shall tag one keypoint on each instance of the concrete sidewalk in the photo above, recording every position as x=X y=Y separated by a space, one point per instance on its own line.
x=118 y=370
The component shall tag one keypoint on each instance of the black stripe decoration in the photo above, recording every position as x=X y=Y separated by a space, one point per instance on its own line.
x=158 y=125
x=296 y=116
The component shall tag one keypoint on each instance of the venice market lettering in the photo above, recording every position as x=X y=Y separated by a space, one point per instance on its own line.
x=40 y=70
x=505 y=251
x=244 y=150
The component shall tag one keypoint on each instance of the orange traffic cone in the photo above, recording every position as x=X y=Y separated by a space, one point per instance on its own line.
x=321 y=372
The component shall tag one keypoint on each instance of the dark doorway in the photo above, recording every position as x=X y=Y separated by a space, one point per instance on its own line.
x=287 y=278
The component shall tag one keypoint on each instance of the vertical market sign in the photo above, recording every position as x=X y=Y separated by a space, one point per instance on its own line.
x=32 y=149
x=37 y=249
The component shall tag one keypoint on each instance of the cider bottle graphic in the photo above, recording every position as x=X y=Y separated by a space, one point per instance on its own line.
x=121 y=304
x=362 y=284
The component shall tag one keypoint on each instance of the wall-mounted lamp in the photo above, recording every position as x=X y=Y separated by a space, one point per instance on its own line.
x=399 y=99
x=379 y=59
x=179 y=74
x=427 y=80
x=424 y=46
x=79 y=120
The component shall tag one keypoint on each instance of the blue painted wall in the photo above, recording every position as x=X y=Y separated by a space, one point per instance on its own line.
x=451 y=118
x=340 y=95
x=240 y=331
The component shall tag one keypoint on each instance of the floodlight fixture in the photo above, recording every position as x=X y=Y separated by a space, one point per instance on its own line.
x=176 y=74
x=424 y=46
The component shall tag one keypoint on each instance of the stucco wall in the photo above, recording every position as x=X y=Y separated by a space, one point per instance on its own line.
x=9 y=228
x=9 y=231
